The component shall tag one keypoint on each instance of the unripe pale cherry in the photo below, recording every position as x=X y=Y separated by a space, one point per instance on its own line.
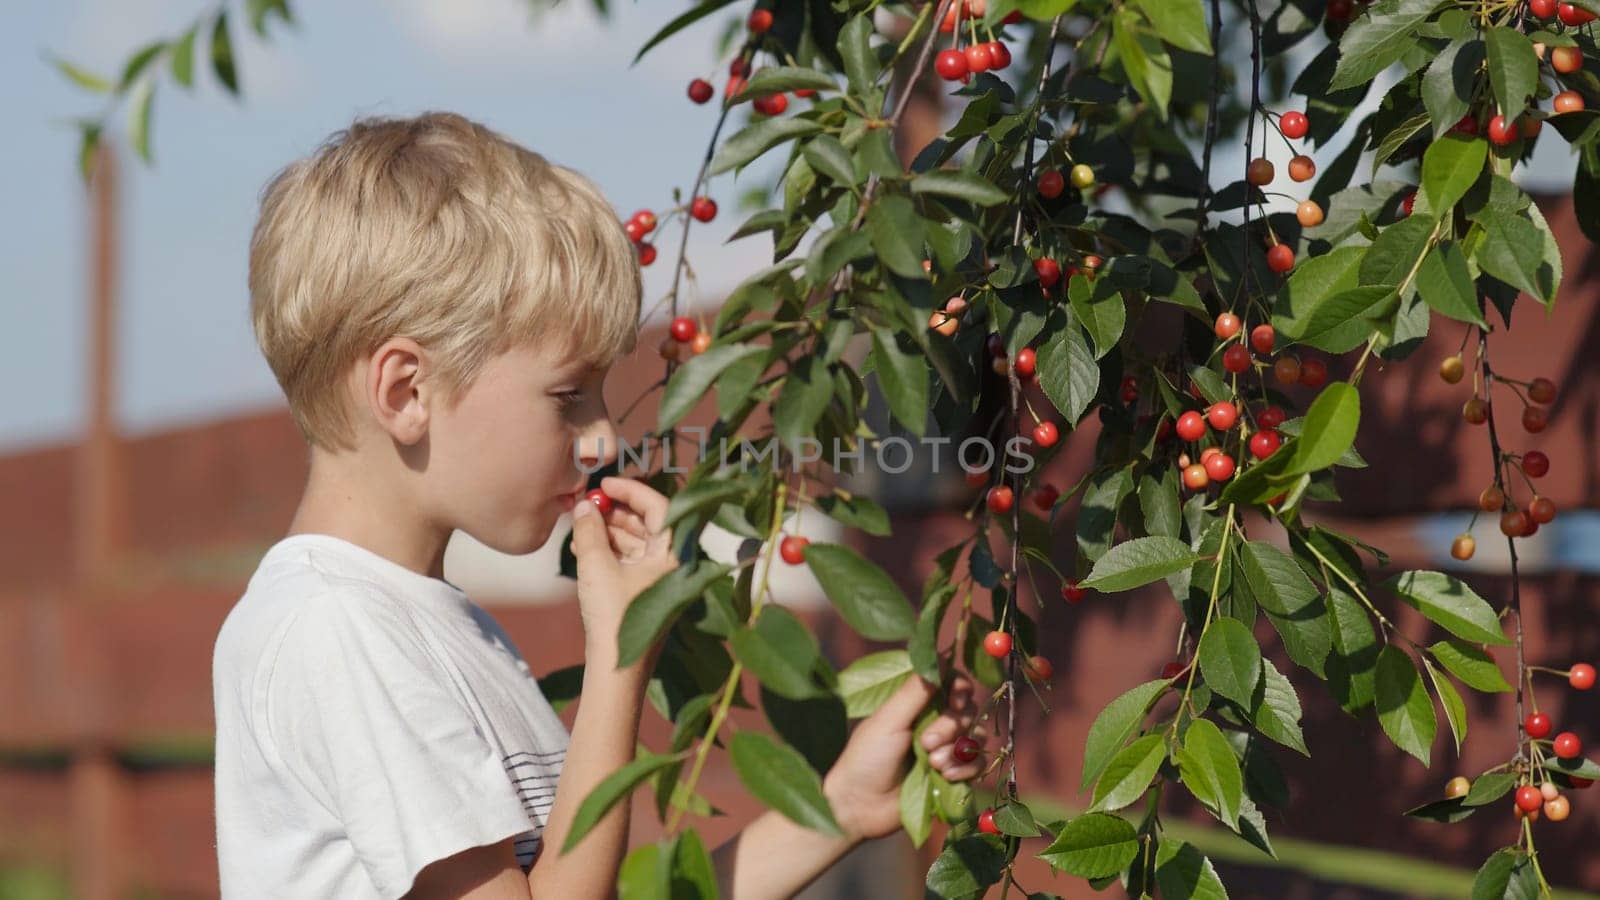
x=1566 y=60
x=1302 y=168
x=1452 y=369
x=1082 y=176
x=1308 y=214
x=1463 y=547
x=1567 y=101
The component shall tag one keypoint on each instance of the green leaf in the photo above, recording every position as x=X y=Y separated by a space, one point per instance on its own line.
x=139 y=118
x=183 y=57
x=692 y=380
x=1280 y=587
x=865 y=595
x=222 y=55
x=1487 y=789
x=1404 y=708
x=781 y=652
x=1181 y=23
x=1377 y=39
x=1328 y=326
x=138 y=62
x=694 y=876
x=1140 y=561
x=610 y=791
x=1114 y=725
x=1129 y=774
x=1098 y=514
x=782 y=79
x=1184 y=873
x=870 y=681
x=1445 y=283
x=1450 y=165
x=779 y=777
x=704 y=493
x=1549 y=271
x=1494 y=879
x=898 y=234
x=1158 y=501
x=1513 y=250
x=904 y=378
x=1329 y=430
x=916 y=803
x=1473 y=666
x=260 y=10
x=1207 y=765
x=1145 y=60
x=694 y=14
x=1016 y=820
x=1448 y=83
x=645 y=874
x=924 y=648
x=1068 y=374
x=1230 y=660
x=1352 y=667
x=808 y=389
x=1578 y=767
x=1276 y=713
x=1455 y=711
x=829 y=157
x=1513 y=69
x=82 y=77
x=966 y=868
x=1096 y=845
x=1395 y=138
x=855 y=48
x=756 y=139
x=88 y=148
x=1449 y=603
x=1315 y=282
x=648 y=616
x=1100 y=308
x=962 y=185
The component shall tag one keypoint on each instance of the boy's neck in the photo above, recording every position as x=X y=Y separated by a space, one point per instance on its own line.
x=345 y=500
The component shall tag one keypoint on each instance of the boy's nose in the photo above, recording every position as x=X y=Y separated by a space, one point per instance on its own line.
x=597 y=446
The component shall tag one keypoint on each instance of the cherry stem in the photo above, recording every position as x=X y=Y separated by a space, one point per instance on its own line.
x=1511 y=547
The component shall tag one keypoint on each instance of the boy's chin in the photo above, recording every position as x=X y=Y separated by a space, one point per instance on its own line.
x=520 y=539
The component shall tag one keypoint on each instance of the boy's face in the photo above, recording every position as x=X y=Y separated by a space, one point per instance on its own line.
x=504 y=453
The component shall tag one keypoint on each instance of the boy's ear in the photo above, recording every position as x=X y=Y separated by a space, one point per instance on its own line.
x=396 y=389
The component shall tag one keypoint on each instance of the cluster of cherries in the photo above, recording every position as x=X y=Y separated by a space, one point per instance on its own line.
x=701 y=91
x=960 y=64
x=683 y=335
x=1529 y=799
x=1260 y=172
x=639 y=226
x=1514 y=522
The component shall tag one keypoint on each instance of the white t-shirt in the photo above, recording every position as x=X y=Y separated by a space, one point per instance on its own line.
x=370 y=720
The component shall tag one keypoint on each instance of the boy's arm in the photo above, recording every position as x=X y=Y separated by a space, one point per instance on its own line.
x=775 y=858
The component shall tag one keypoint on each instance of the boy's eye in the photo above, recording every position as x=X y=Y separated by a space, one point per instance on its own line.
x=569 y=399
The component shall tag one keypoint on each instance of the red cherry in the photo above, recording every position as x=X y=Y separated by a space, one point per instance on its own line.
x=1581 y=677
x=1049 y=272
x=996 y=344
x=1271 y=417
x=966 y=749
x=600 y=499
x=700 y=90
x=793 y=549
x=1051 y=184
x=1071 y=593
x=1542 y=9
x=978 y=59
x=1195 y=477
x=1580 y=783
x=1000 y=499
x=1027 y=363
x=771 y=104
x=1302 y=168
x=1571 y=14
x=1045 y=497
x=1567 y=101
x=997 y=644
x=999 y=56
x=1173 y=669
x=1409 y=202
x=805 y=92
x=1566 y=745
x=1502 y=131
x=739 y=67
x=646 y=220
x=1227 y=326
x=735 y=86
x=1313 y=373
x=1294 y=125
x=1263 y=338
x=977 y=479
x=647 y=253
x=1535 y=463
x=1012 y=18
x=760 y=21
x=1280 y=258
x=1538 y=725
x=684 y=329
x=986 y=822
x=951 y=65
x=1542 y=391
x=1534 y=419
x=1529 y=798
x=1130 y=391
x=1467 y=125
x=1222 y=415
x=1219 y=467
x=634 y=229
x=1236 y=359
x=703 y=208
x=1541 y=510
x=1039 y=670
x=1191 y=426
x=1514 y=523
x=1045 y=434
x=1265 y=443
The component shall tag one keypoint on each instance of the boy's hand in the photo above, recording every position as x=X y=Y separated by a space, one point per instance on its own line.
x=864 y=785
x=619 y=553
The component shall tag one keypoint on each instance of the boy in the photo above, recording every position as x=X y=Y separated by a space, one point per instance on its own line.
x=440 y=307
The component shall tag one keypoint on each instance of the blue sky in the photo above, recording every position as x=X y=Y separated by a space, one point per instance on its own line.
x=561 y=85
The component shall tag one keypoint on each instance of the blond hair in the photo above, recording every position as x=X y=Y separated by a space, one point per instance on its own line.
x=438 y=229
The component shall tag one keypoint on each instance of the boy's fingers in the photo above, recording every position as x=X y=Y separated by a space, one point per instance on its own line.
x=625 y=541
x=907 y=703
x=642 y=498
x=627 y=520
x=961 y=771
x=590 y=543
x=940 y=731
